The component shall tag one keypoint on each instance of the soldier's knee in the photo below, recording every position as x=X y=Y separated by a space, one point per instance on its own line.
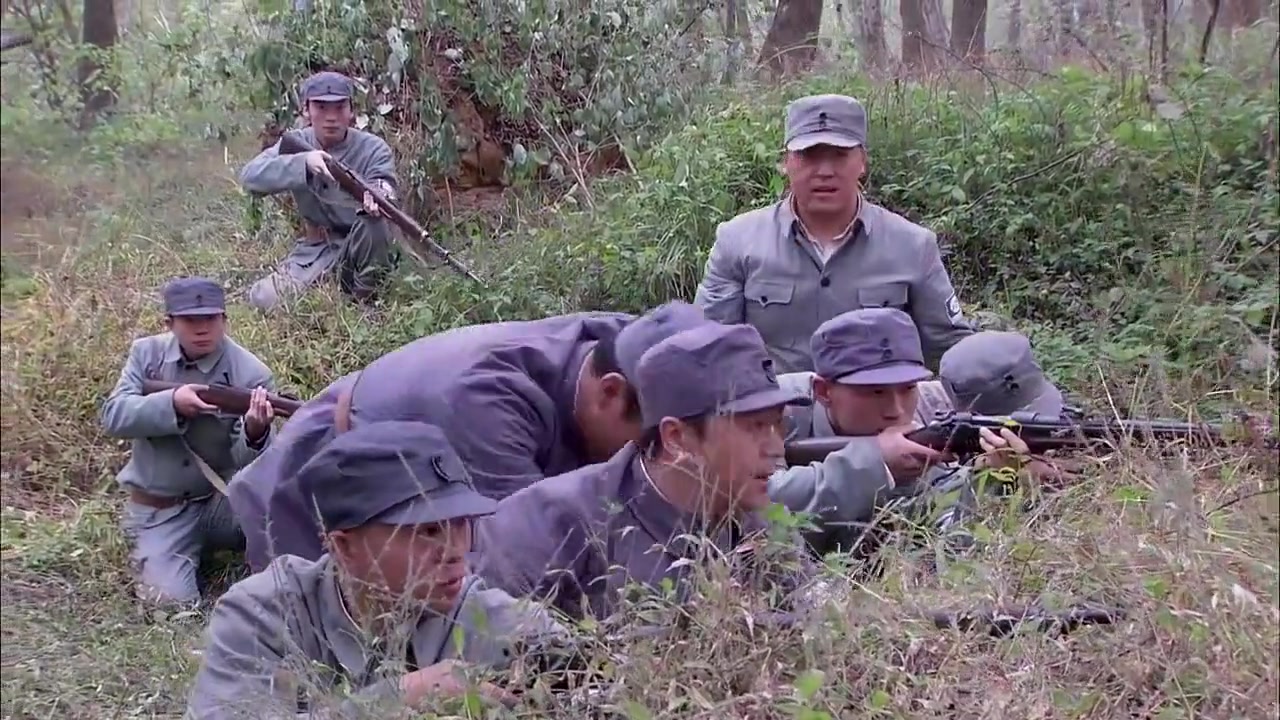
x=166 y=579
x=265 y=294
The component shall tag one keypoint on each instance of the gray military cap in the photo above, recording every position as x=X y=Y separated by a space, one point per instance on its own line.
x=871 y=346
x=995 y=373
x=327 y=86
x=390 y=473
x=194 y=296
x=651 y=328
x=837 y=120
x=710 y=369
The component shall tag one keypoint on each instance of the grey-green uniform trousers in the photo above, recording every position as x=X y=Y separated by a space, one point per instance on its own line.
x=167 y=542
x=282 y=644
x=843 y=493
x=764 y=272
x=360 y=247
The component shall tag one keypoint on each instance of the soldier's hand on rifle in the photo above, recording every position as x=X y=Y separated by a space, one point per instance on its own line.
x=445 y=678
x=1003 y=450
x=371 y=206
x=259 y=416
x=317 y=165
x=187 y=403
x=905 y=458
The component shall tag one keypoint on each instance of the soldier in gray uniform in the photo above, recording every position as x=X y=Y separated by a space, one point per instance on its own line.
x=519 y=401
x=391 y=612
x=352 y=237
x=183 y=449
x=868 y=385
x=824 y=249
x=712 y=410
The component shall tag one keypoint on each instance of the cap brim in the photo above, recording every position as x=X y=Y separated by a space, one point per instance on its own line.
x=776 y=397
x=329 y=98
x=209 y=310
x=887 y=375
x=457 y=501
x=835 y=139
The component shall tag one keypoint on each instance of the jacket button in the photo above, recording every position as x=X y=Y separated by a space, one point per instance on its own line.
x=825 y=282
x=764 y=299
x=186 y=463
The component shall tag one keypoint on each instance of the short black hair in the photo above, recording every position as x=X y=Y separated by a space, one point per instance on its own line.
x=651 y=439
x=604 y=360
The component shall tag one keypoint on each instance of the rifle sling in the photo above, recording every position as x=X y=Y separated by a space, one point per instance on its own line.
x=209 y=474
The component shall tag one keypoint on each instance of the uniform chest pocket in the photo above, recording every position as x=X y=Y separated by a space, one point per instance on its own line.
x=769 y=292
x=769 y=310
x=891 y=295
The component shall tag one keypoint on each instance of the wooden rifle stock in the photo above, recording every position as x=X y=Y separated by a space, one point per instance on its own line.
x=228 y=398
x=292 y=144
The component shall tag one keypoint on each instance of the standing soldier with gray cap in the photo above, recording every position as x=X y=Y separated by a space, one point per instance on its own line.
x=182 y=448
x=354 y=238
x=391 y=611
x=519 y=400
x=824 y=249
x=712 y=410
x=869 y=384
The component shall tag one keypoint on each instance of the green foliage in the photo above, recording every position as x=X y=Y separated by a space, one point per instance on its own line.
x=541 y=75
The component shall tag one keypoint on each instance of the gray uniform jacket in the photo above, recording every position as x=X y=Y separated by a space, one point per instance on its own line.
x=843 y=492
x=761 y=271
x=280 y=644
x=320 y=201
x=578 y=539
x=503 y=393
x=161 y=461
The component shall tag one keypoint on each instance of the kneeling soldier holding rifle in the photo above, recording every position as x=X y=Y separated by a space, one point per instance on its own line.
x=184 y=449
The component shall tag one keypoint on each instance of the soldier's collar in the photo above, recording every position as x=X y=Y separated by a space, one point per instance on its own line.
x=796 y=225
x=678 y=531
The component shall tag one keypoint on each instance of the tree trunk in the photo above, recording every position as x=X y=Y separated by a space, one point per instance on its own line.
x=1014 y=36
x=94 y=71
x=792 y=42
x=969 y=29
x=924 y=34
x=1064 y=25
x=871 y=42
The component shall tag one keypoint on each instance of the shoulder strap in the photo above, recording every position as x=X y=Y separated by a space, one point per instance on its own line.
x=342 y=411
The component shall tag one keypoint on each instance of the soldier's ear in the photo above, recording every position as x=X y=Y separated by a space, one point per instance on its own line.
x=674 y=435
x=822 y=390
x=613 y=387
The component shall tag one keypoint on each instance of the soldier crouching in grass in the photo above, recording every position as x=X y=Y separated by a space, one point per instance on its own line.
x=183 y=449
x=391 y=611
x=355 y=239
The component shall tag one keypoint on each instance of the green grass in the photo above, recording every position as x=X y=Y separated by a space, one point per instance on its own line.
x=1187 y=541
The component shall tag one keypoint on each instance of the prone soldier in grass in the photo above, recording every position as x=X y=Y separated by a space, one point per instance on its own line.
x=353 y=238
x=871 y=384
x=696 y=479
x=183 y=448
x=390 y=611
